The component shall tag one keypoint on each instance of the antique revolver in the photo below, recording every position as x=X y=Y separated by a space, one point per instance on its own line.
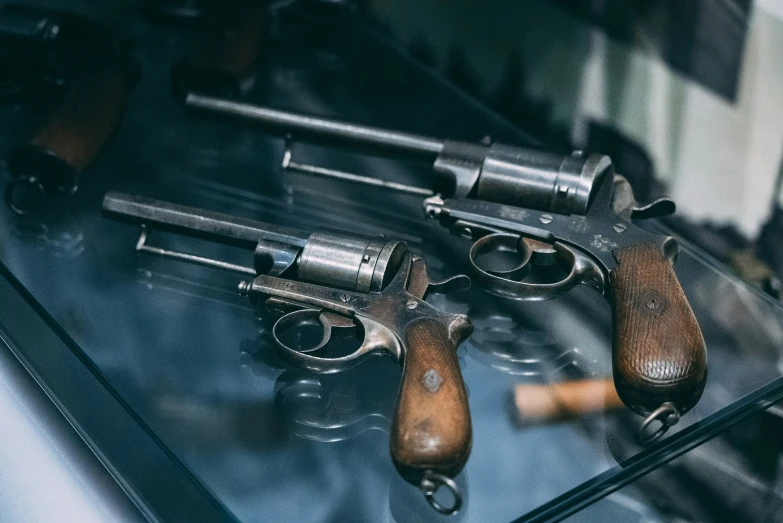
x=96 y=74
x=564 y=220
x=344 y=282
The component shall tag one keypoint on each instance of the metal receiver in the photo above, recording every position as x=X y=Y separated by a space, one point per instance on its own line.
x=344 y=282
x=542 y=222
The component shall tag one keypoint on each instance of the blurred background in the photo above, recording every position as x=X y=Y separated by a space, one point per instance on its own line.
x=685 y=96
x=692 y=89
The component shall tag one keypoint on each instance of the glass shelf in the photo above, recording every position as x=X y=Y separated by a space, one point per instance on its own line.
x=191 y=361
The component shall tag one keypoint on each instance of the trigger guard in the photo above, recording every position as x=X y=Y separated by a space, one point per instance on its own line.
x=305 y=360
x=293 y=319
x=495 y=283
x=498 y=242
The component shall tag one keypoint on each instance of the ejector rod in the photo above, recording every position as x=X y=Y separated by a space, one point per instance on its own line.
x=198 y=223
x=318 y=127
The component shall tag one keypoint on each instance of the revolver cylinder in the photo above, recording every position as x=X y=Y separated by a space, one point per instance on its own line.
x=541 y=180
x=350 y=261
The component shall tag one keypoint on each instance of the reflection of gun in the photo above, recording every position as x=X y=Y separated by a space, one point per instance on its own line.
x=223 y=63
x=45 y=46
x=330 y=408
x=542 y=222
x=337 y=283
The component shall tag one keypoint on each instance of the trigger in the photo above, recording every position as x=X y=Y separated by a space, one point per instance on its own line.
x=335 y=321
x=541 y=254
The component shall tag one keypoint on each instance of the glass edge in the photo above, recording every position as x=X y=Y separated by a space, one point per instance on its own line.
x=645 y=462
x=106 y=423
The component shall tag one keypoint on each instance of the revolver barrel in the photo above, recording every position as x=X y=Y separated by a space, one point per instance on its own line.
x=318 y=128
x=346 y=261
x=532 y=178
x=197 y=223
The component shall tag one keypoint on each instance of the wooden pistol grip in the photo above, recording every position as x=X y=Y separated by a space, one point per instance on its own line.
x=431 y=430
x=659 y=354
x=224 y=60
x=77 y=130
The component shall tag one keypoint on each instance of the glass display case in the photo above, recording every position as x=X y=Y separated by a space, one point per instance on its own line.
x=171 y=376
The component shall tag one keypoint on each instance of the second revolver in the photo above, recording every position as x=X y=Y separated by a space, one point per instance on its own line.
x=347 y=282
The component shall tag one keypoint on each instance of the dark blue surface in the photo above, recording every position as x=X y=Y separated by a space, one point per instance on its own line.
x=193 y=360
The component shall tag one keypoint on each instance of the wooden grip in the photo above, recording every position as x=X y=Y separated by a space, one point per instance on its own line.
x=77 y=130
x=659 y=354
x=543 y=403
x=431 y=430
x=224 y=60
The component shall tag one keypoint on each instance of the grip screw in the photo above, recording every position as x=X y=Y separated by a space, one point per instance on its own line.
x=652 y=303
x=431 y=380
x=545 y=218
x=344 y=297
x=619 y=227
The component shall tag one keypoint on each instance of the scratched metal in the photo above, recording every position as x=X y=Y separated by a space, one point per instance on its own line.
x=195 y=362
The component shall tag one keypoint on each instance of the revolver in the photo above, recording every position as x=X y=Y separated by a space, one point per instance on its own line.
x=540 y=223
x=96 y=74
x=341 y=283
